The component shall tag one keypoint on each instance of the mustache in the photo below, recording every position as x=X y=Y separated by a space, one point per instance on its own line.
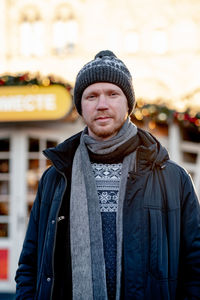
x=102 y=115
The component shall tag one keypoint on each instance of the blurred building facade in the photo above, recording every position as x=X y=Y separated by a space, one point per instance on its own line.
x=158 y=40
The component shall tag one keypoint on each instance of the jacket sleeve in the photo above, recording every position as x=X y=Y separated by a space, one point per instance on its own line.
x=190 y=242
x=26 y=275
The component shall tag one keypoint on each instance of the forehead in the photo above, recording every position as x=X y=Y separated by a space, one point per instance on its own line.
x=95 y=87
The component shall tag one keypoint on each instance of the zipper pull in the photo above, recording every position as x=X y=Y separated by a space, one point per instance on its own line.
x=60 y=218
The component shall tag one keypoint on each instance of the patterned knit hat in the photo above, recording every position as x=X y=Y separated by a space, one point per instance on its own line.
x=105 y=67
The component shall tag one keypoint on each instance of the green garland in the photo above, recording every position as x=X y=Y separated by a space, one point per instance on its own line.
x=28 y=79
x=161 y=114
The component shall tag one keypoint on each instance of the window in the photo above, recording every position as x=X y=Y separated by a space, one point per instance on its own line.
x=159 y=41
x=65 y=31
x=185 y=35
x=131 y=42
x=37 y=163
x=31 y=33
x=4 y=187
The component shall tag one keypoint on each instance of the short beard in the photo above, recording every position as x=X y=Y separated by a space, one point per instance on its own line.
x=107 y=134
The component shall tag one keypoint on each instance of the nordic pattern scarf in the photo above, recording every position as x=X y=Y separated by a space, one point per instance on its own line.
x=87 y=254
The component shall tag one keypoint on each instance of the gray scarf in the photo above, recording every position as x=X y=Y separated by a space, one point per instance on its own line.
x=88 y=265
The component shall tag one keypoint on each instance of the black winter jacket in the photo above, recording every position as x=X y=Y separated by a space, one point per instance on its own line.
x=161 y=230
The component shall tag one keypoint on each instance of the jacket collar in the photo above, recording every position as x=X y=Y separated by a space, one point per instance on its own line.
x=62 y=155
x=150 y=153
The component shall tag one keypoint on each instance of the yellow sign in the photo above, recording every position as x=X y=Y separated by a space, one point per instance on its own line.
x=34 y=103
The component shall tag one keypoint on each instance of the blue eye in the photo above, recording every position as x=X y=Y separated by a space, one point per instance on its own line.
x=89 y=97
x=113 y=94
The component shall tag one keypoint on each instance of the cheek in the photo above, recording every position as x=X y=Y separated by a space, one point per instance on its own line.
x=86 y=112
x=84 y=109
x=125 y=108
x=121 y=109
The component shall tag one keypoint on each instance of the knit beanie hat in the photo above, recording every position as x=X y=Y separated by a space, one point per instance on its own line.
x=105 y=67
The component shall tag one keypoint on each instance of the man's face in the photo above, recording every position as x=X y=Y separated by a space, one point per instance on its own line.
x=104 y=109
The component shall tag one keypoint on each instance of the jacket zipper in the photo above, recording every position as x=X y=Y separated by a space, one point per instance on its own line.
x=136 y=161
x=53 y=253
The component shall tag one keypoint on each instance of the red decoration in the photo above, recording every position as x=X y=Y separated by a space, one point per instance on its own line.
x=4 y=264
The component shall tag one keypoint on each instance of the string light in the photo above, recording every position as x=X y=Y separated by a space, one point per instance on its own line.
x=46 y=82
x=162 y=114
x=34 y=81
x=152 y=125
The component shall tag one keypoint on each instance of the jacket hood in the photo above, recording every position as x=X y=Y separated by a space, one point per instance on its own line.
x=150 y=153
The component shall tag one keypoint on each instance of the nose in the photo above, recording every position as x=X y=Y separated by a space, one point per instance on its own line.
x=102 y=103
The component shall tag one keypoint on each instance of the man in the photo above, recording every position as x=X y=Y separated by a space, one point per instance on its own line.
x=114 y=217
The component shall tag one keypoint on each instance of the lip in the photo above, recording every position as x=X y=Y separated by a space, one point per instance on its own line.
x=103 y=118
